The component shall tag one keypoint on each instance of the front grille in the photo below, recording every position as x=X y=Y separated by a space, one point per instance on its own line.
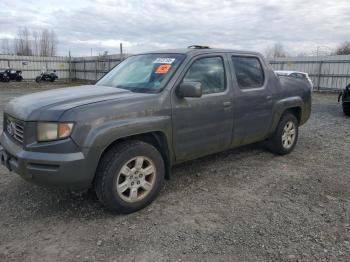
x=14 y=128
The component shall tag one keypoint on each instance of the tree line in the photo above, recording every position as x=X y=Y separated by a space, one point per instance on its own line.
x=44 y=43
x=29 y=43
x=278 y=50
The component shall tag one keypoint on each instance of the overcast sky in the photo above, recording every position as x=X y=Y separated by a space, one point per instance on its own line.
x=300 y=25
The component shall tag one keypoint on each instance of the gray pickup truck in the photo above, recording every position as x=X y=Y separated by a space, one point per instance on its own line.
x=122 y=135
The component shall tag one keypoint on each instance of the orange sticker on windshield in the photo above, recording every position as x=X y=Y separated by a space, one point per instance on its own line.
x=163 y=69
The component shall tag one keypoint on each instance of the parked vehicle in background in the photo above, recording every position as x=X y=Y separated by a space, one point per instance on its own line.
x=46 y=76
x=152 y=111
x=345 y=98
x=296 y=74
x=4 y=77
x=14 y=75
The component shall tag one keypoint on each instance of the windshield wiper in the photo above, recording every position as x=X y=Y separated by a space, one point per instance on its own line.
x=142 y=90
x=122 y=87
x=137 y=89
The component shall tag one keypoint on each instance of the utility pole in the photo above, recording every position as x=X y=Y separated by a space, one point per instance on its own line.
x=121 y=52
x=70 y=67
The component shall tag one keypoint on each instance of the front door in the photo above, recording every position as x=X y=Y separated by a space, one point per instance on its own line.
x=203 y=125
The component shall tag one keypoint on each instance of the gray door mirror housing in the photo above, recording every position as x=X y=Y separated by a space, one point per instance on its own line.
x=189 y=89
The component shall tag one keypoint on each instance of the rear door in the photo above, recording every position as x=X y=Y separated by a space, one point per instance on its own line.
x=253 y=100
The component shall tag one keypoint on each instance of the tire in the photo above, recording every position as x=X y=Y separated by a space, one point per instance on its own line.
x=19 y=78
x=52 y=79
x=281 y=146
x=346 y=107
x=38 y=79
x=346 y=111
x=110 y=173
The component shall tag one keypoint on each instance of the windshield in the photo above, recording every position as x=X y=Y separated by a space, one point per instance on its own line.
x=143 y=73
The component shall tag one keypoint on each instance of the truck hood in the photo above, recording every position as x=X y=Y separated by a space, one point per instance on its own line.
x=50 y=105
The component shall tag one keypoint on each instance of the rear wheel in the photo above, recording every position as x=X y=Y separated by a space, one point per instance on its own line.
x=19 y=78
x=129 y=176
x=285 y=137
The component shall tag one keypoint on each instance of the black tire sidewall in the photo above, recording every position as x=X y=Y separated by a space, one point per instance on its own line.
x=346 y=112
x=111 y=197
x=346 y=109
x=276 y=140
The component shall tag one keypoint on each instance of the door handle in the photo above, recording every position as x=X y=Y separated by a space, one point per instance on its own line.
x=227 y=103
x=268 y=97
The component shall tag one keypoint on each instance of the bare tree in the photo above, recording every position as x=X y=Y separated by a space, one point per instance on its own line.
x=35 y=43
x=6 y=46
x=53 y=43
x=277 y=50
x=48 y=43
x=343 y=49
x=23 y=42
x=302 y=54
x=44 y=42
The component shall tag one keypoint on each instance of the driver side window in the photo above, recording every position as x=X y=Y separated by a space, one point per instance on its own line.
x=210 y=72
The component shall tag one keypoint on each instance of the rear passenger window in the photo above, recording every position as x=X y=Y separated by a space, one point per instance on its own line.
x=209 y=72
x=249 y=72
x=297 y=75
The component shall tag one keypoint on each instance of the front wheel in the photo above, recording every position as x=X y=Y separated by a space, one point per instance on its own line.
x=38 y=79
x=285 y=136
x=129 y=176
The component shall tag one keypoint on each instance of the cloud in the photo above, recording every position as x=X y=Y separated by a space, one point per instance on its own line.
x=145 y=25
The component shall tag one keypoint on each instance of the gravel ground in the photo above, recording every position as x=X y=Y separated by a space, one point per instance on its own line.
x=240 y=205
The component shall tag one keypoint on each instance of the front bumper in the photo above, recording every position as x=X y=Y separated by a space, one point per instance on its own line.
x=65 y=170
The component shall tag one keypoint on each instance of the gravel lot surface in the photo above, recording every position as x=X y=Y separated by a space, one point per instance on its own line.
x=244 y=204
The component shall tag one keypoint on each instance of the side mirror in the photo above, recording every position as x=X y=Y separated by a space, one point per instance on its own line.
x=189 y=89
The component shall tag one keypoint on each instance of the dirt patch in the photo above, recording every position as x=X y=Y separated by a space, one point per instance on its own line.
x=240 y=205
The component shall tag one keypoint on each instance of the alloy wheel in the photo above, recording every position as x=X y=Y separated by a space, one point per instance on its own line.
x=136 y=179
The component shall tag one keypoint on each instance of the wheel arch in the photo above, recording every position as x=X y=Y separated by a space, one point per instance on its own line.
x=293 y=105
x=157 y=139
x=296 y=111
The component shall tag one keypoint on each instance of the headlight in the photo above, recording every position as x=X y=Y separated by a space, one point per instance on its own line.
x=47 y=131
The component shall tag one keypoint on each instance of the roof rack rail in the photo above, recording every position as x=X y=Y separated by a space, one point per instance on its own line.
x=198 y=47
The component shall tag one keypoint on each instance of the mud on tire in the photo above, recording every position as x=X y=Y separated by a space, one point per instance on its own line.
x=118 y=176
x=285 y=136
